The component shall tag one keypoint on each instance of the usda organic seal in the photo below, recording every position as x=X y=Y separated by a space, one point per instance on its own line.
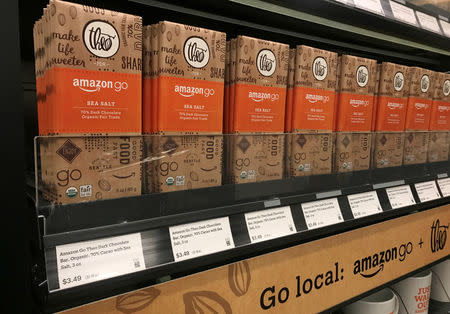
x=170 y=181
x=71 y=192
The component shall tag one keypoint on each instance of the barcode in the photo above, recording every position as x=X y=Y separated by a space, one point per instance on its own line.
x=137 y=263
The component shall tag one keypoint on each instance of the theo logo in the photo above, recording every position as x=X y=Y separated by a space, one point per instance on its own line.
x=266 y=62
x=196 y=52
x=446 y=87
x=370 y=266
x=101 y=38
x=362 y=76
x=399 y=81
x=438 y=236
x=320 y=68
x=425 y=83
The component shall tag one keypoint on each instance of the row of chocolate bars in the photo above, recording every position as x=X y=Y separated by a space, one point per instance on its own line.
x=100 y=72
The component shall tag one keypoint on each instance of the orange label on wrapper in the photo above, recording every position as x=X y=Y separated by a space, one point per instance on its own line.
x=440 y=116
x=313 y=109
x=418 y=113
x=96 y=102
x=189 y=105
x=259 y=108
x=146 y=105
x=354 y=112
x=391 y=114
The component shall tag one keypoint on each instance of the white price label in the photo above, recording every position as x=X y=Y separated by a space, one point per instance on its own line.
x=444 y=184
x=322 y=213
x=200 y=238
x=269 y=224
x=364 y=204
x=428 y=22
x=403 y=13
x=400 y=196
x=427 y=191
x=446 y=27
x=370 y=5
x=83 y=262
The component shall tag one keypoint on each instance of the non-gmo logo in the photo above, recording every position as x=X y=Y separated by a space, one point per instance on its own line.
x=320 y=68
x=446 y=87
x=266 y=62
x=196 y=52
x=399 y=81
x=101 y=38
x=425 y=83
x=362 y=76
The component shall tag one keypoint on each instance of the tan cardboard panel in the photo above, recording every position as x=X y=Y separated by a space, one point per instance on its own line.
x=80 y=169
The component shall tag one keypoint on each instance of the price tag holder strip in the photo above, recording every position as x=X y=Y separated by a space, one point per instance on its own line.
x=75 y=264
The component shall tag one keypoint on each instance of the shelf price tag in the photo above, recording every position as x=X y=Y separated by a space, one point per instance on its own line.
x=445 y=27
x=269 y=224
x=83 y=262
x=444 y=184
x=428 y=22
x=200 y=238
x=322 y=213
x=400 y=196
x=364 y=204
x=370 y=5
x=403 y=13
x=427 y=191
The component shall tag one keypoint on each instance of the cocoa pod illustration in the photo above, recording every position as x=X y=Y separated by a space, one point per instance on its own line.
x=197 y=302
x=104 y=185
x=61 y=19
x=169 y=35
x=52 y=9
x=239 y=278
x=136 y=301
x=73 y=12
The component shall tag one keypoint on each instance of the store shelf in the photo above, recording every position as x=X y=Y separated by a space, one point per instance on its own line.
x=323 y=23
x=155 y=231
x=331 y=249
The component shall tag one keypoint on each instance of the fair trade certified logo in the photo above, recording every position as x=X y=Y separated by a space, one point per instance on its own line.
x=446 y=88
x=320 y=68
x=424 y=83
x=399 y=81
x=196 y=52
x=266 y=62
x=101 y=38
x=371 y=265
x=362 y=76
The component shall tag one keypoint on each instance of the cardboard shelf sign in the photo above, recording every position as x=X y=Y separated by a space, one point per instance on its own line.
x=313 y=276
